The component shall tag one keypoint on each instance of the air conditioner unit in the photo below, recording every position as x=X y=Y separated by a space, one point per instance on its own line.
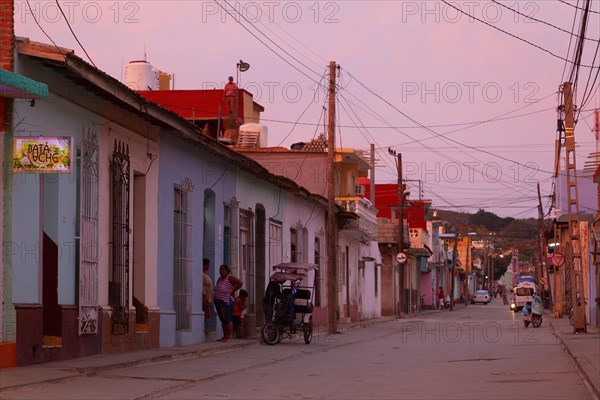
x=359 y=190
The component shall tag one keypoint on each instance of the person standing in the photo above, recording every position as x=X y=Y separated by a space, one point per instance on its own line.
x=238 y=310
x=441 y=298
x=207 y=289
x=230 y=92
x=225 y=289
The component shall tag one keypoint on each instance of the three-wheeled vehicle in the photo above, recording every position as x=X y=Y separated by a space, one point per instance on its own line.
x=288 y=303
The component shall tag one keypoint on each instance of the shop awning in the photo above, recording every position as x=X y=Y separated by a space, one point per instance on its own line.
x=20 y=87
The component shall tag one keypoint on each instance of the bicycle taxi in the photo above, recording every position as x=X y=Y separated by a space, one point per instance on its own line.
x=288 y=303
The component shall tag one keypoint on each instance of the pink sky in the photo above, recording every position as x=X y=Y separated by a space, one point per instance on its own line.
x=430 y=62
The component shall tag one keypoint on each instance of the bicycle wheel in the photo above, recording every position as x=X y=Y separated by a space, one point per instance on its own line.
x=270 y=333
x=308 y=330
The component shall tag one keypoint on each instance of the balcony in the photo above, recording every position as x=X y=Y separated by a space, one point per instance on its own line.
x=365 y=226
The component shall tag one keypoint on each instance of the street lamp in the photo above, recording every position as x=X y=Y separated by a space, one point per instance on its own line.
x=240 y=67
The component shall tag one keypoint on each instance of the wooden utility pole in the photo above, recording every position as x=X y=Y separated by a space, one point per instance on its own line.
x=401 y=266
x=538 y=270
x=372 y=177
x=454 y=258
x=332 y=232
x=492 y=267
x=486 y=267
x=574 y=261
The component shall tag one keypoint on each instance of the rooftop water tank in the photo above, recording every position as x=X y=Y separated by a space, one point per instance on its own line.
x=140 y=75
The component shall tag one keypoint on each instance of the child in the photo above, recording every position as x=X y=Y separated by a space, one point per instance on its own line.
x=238 y=308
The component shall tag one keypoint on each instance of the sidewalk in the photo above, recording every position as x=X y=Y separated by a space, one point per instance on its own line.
x=583 y=348
x=59 y=370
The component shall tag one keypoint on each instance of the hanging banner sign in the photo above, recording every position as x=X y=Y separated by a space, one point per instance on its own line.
x=43 y=154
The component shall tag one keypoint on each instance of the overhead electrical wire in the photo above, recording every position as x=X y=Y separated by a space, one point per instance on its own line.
x=303 y=64
x=74 y=35
x=435 y=133
x=508 y=33
x=576 y=7
x=570 y=43
x=43 y=31
x=434 y=150
x=303 y=112
x=271 y=40
x=529 y=17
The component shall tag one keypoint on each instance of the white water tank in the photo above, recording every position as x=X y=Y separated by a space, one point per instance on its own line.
x=140 y=75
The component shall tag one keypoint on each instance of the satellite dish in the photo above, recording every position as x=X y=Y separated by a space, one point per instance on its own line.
x=243 y=67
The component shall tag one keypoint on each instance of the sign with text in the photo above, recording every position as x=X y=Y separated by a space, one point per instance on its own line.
x=43 y=154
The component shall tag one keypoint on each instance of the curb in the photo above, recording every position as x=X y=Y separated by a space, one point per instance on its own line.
x=94 y=370
x=90 y=371
x=587 y=379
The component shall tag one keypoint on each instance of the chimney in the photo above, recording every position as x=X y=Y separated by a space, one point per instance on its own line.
x=7 y=35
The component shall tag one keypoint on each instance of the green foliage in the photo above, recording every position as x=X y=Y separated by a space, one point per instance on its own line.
x=507 y=233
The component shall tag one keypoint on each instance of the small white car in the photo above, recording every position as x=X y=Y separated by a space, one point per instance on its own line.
x=481 y=296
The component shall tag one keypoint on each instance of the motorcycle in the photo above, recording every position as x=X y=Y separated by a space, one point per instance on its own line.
x=532 y=312
x=447 y=302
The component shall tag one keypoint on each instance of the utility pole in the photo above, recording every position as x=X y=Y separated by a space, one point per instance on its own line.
x=401 y=266
x=492 y=267
x=486 y=266
x=372 y=180
x=468 y=271
x=332 y=233
x=453 y=271
x=574 y=261
x=538 y=270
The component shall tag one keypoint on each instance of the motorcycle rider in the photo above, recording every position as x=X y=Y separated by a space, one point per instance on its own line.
x=531 y=308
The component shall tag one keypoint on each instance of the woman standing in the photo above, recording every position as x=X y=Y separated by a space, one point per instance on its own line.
x=225 y=290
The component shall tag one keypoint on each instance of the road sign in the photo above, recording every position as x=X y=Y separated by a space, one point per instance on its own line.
x=401 y=257
x=558 y=259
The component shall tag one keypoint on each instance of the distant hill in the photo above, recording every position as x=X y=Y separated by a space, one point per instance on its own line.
x=506 y=233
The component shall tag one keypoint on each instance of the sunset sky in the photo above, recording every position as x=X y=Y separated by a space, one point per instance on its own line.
x=470 y=108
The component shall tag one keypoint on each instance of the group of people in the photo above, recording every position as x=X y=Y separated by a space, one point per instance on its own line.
x=229 y=307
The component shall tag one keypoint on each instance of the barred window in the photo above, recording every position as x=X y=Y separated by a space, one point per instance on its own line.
x=182 y=258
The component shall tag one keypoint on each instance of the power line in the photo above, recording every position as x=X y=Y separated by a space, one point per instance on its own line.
x=43 y=31
x=508 y=33
x=437 y=134
x=577 y=8
x=541 y=21
x=74 y=35
x=303 y=112
x=562 y=79
x=266 y=45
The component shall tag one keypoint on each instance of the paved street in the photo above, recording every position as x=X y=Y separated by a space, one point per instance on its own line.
x=475 y=352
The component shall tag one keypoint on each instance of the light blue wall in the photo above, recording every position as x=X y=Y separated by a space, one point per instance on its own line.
x=178 y=159
x=252 y=190
x=26 y=238
x=54 y=211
